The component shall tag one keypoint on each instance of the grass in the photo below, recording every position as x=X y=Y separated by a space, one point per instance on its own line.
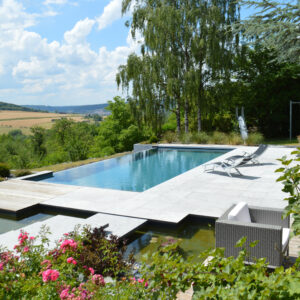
x=73 y=164
x=284 y=142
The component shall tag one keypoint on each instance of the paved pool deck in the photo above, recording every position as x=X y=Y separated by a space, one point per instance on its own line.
x=194 y=192
x=191 y=193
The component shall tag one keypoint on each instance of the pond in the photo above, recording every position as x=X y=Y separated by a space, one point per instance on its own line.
x=193 y=234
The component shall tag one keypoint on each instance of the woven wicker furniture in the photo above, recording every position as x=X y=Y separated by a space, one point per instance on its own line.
x=266 y=226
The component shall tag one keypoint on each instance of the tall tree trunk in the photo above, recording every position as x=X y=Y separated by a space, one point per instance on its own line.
x=186 y=116
x=199 y=116
x=178 y=116
x=200 y=93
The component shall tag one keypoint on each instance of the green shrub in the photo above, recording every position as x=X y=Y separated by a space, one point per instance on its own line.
x=170 y=137
x=105 y=255
x=22 y=172
x=255 y=138
x=170 y=124
x=106 y=151
x=186 y=138
x=235 y=139
x=218 y=138
x=200 y=137
x=4 y=170
x=153 y=139
x=70 y=271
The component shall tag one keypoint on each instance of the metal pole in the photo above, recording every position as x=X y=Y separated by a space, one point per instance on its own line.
x=291 y=115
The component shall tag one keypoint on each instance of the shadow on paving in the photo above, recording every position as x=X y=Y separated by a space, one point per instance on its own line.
x=257 y=165
x=235 y=175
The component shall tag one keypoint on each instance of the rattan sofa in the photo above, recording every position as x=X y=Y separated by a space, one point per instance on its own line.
x=266 y=226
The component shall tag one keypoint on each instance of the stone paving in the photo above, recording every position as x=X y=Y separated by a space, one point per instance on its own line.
x=193 y=192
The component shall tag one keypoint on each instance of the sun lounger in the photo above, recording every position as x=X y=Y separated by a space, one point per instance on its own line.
x=251 y=156
x=227 y=165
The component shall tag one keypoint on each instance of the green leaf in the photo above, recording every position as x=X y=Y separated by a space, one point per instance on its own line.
x=241 y=242
x=253 y=244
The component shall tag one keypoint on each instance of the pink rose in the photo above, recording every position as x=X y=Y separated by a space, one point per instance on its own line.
x=92 y=271
x=54 y=275
x=98 y=279
x=1 y=266
x=32 y=238
x=46 y=261
x=64 y=294
x=50 y=275
x=69 y=260
x=26 y=249
x=74 y=262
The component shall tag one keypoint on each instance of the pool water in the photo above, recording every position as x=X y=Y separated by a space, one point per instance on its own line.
x=7 y=224
x=136 y=172
x=193 y=236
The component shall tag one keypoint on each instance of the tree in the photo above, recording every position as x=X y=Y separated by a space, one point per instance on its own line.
x=187 y=44
x=38 y=138
x=275 y=26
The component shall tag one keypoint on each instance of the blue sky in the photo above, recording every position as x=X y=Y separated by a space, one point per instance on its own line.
x=62 y=52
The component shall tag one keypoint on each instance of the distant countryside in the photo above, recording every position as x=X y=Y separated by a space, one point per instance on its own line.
x=23 y=120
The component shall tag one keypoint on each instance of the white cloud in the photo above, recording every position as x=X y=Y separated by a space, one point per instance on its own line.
x=13 y=15
x=79 y=32
x=111 y=13
x=57 y=2
x=57 y=73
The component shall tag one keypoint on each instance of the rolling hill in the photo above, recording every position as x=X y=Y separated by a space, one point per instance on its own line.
x=78 y=109
x=10 y=106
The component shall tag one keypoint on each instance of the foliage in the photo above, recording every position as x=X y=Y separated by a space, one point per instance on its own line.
x=10 y=106
x=68 y=140
x=61 y=273
x=170 y=137
x=265 y=88
x=153 y=139
x=255 y=138
x=186 y=46
x=105 y=255
x=201 y=137
x=291 y=181
x=22 y=172
x=275 y=26
x=216 y=137
x=4 y=170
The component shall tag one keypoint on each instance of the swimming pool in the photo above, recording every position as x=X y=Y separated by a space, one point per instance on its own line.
x=138 y=171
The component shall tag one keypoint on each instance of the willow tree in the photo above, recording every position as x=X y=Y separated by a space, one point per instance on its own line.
x=143 y=75
x=190 y=40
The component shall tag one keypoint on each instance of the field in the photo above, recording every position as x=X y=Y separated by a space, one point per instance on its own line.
x=23 y=120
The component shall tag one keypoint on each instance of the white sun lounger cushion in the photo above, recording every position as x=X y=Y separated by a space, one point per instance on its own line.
x=240 y=213
x=285 y=237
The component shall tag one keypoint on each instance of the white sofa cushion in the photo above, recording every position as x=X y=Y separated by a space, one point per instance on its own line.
x=240 y=213
x=285 y=237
